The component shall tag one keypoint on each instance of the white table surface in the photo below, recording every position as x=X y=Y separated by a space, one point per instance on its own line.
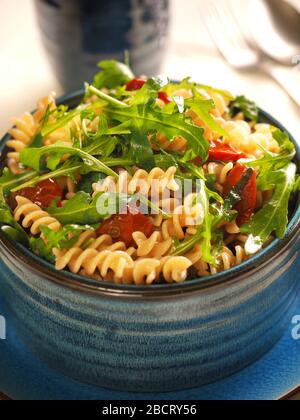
x=25 y=74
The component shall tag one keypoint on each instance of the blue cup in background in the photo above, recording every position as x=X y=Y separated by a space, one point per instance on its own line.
x=77 y=34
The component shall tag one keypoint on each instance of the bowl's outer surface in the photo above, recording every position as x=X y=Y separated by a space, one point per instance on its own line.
x=152 y=344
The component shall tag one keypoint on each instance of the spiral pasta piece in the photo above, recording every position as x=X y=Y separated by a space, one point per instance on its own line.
x=175 y=269
x=243 y=139
x=117 y=263
x=146 y=271
x=26 y=127
x=189 y=216
x=220 y=171
x=33 y=216
x=154 y=246
x=227 y=260
x=43 y=106
x=202 y=268
x=143 y=182
x=92 y=256
x=68 y=185
x=177 y=145
x=21 y=135
x=173 y=228
x=89 y=252
x=232 y=228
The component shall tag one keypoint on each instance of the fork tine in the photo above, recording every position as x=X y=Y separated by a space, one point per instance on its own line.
x=230 y=26
x=240 y=12
x=226 y=34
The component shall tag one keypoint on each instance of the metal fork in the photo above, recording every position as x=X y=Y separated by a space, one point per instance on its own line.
x=237 y=47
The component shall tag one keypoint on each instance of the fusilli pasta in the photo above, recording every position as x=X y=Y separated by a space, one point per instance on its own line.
x=21 y=135
x=27 y=126
x=242 y=138
x=33 y=216
x=178 y=144
x=145 y=183
x=154 y=247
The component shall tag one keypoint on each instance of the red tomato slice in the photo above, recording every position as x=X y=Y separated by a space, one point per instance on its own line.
x=224 y=153
x=246 y=206
x=135 y=84
x=163 y=96
x=43 y=194
x=121 y=227
x=219 y=151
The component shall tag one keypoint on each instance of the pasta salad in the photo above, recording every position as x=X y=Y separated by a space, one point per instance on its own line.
x=146 y=181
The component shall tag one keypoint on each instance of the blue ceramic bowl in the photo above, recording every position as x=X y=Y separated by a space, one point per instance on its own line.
x=159 y=338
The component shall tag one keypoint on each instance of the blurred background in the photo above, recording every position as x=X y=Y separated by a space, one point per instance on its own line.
x=48 y=45
x=51 y=45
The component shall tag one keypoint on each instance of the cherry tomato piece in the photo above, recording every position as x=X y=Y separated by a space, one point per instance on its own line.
x=43 y=193
x=121 y=227
x=135 y=84
x=219 y=151
x=224 y=153
x=163 y=96
x=246 y=206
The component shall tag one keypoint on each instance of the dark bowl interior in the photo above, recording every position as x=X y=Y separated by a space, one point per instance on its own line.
x=79 y=283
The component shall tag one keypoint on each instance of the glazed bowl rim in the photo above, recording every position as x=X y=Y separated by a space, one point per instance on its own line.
x=158 y=291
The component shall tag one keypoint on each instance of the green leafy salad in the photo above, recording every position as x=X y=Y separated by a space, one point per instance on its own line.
x=146 y=181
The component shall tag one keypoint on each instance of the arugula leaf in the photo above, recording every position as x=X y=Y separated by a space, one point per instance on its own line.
x=56 y=113
x=88 y=114
x=62 y=121
x=73 y=165
x=188 y=244
x=203 y=198
x=189 y=85
x=247 y=107
x=272 y=162
x=186 y=84
x=147 y=95
x=33 y=157
x=82 y=209
x=8 y=181
x=296 y=187
x=37 y=141
x=65 y=238
x=64 y=118
x=104 y=96
x=210 y=90
x=273 y=217
x=7 y=219
x=202 y=108
x=41 y=249
x=143 y=117
x=141 y=152
x=113 y=74
x=15 y=235
x=86 y=183
x=67 y=169
x=286 y=145
x=205 y=231
x=148 y=120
